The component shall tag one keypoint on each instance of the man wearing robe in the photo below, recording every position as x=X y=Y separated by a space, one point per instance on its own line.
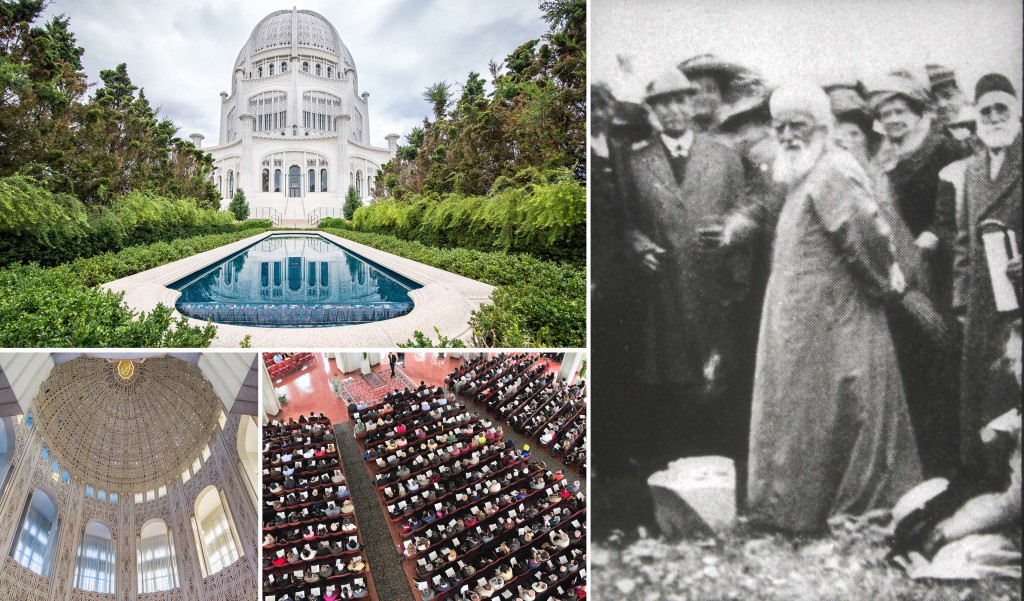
x=830 y=431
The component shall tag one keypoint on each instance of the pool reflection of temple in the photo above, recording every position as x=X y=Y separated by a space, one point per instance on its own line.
x=298 y=270
x=295 y=280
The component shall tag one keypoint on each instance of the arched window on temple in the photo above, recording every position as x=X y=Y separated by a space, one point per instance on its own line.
x=156 y=562
x=94 y=568
x=6 y=451
x=37 y=533
x=216 y=533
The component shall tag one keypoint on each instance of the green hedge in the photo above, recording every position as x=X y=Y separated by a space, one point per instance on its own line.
x=258 y=224
x=544 y=215
x=62 y=307
x=334 y=223
x=50 y=229
x=536 y=304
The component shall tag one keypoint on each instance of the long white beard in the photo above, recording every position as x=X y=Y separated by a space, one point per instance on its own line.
x=1000 y=137
x=791 y=165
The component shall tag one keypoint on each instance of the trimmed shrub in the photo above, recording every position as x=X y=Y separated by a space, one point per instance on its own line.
x=62 y=307
x=334 y=223
x=536 y=304
x=541 y=214
x=263 y=224
x=50 y=229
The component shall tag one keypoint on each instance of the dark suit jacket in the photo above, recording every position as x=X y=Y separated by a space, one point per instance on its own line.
x=684 y=310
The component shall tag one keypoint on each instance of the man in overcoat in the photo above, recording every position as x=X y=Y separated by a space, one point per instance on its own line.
x=679 y=184
x=990 y=191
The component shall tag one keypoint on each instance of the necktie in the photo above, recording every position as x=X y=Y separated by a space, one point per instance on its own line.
x=678 y=161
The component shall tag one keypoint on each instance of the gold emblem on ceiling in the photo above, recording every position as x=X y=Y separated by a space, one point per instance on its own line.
x=125 y=369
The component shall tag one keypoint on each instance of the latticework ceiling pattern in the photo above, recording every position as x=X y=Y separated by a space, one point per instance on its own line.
x=127 y=434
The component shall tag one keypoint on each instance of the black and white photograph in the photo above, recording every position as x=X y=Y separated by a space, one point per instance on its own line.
x=805 y=299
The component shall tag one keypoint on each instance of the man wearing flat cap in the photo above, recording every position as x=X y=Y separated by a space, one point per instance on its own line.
x=830 y=432
x=989 y=195
x=713 y=79
x=678 y=183
x=949 y=98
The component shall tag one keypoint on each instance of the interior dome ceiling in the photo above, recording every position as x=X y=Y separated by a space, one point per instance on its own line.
x=126 y=427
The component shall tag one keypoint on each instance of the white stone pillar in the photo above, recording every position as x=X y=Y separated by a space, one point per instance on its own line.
x=570 y=364
x=62 y=575
x=342 y=125
x=245 y=178
x=190 y=573
x=127 y=536
x=271 y=406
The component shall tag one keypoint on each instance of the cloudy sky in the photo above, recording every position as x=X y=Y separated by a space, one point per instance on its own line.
x=182 y=52
x=804 y=38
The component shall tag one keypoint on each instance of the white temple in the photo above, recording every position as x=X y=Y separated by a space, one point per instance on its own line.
x=295 y=129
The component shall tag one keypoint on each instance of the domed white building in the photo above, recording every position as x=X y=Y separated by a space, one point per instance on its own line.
x=128 y=477
x=295 y=129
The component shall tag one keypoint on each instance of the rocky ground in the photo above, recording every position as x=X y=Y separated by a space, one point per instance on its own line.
x=743 y=565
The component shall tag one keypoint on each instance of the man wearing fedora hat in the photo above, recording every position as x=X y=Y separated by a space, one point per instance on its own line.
x=679 y=182
x=990 y=191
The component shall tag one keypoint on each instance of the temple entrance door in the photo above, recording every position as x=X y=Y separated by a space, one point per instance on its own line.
x=294 y=182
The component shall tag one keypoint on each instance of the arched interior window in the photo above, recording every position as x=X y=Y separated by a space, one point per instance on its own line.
x=323 y=180
x=156 y=562
x=6 y=451
x=94 y=569
x=259 y=72
x=359 y=183
x=329 y=72
x=270 y=69
x=266 y=180
x=220 y=547
x=231 y=184
x=311 y=179
x=37 y=534
x=284 y=66
x=318 y=70
x=277 y=180
x=248 y=442
x=305 y=67
x=369 y=185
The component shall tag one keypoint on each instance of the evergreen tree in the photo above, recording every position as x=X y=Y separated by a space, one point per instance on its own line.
x=352 y=202
x=239 y=205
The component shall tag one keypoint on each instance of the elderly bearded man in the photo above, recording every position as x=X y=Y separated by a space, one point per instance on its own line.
x=988 y=188
x=830 y=432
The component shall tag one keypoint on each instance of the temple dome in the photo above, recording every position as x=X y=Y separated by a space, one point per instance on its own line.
x=306 y=28
x=127 y=426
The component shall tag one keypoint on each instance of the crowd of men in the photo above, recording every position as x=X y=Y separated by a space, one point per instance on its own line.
x=817 y=280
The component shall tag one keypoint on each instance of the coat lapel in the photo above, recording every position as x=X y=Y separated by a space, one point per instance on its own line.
x=1006 y=180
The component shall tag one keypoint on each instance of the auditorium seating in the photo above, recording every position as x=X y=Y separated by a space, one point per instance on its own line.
x=288 y=365
x=520 y=390
x=471 y=514
x=312 y=546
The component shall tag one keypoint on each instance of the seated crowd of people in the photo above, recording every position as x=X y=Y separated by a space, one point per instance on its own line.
x=520 y=390
x=312 y=549
x=473 y=516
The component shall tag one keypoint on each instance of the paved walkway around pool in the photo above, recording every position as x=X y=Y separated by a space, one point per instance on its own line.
x=445 y=301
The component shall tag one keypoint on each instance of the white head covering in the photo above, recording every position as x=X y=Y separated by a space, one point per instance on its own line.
x=802 y=96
